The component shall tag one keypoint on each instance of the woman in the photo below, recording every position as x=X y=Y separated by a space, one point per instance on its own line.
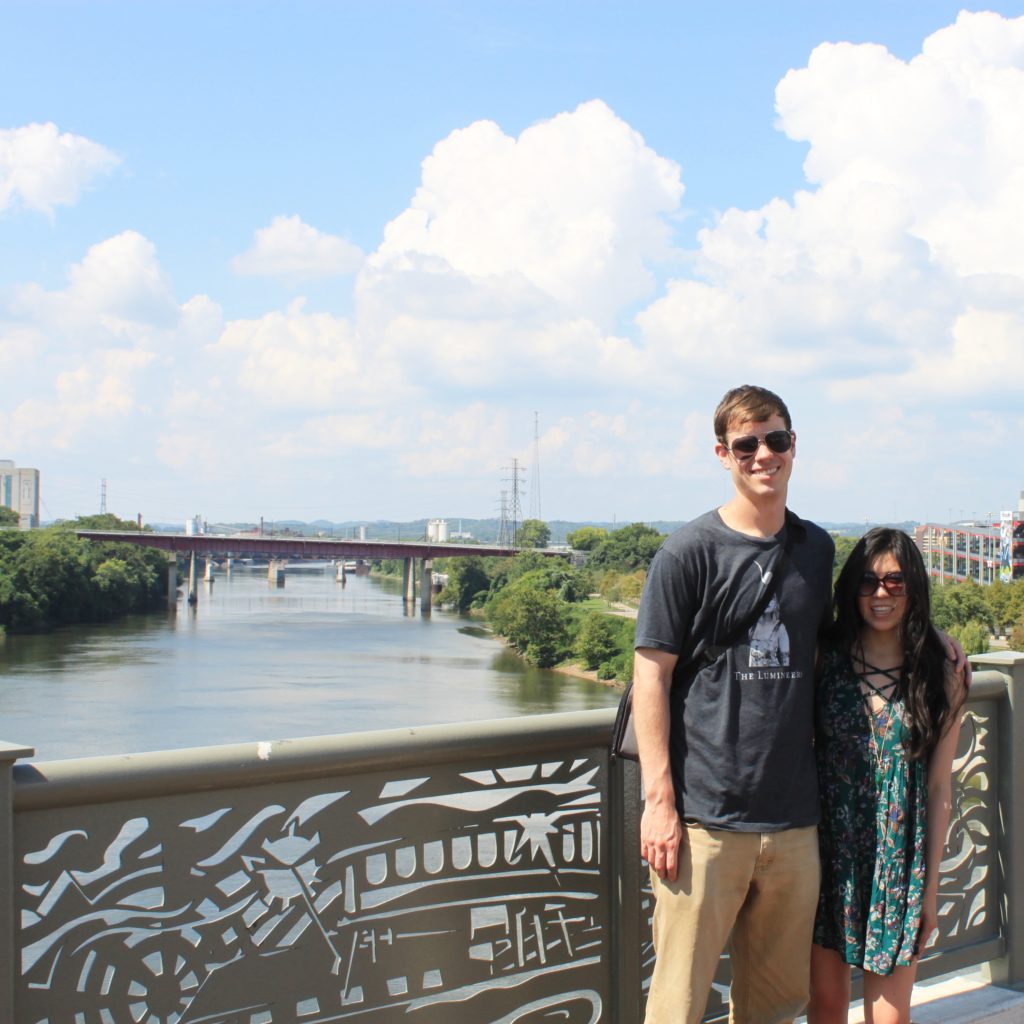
x=888 y=719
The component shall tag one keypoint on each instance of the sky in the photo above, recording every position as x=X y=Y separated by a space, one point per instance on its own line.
x=348 y=260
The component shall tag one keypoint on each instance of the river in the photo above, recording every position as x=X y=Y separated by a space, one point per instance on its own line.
x=256 y=662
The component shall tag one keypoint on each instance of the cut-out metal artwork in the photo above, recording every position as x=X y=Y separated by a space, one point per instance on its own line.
x=477 y=895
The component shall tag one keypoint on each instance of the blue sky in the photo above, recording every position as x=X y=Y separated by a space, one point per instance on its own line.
x=327 y=259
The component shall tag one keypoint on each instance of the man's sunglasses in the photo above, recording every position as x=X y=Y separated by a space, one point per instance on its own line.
x=892 y=582
x=777 y=441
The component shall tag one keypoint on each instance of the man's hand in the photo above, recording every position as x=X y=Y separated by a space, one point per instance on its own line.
x=956 y=654
x=660 y=837
x=660 y=829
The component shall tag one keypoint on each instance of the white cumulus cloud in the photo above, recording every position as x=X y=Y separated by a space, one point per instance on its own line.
x=912 y=224
x=574 y=208
x=117 y=287
x=42 y=167
x=289 y=248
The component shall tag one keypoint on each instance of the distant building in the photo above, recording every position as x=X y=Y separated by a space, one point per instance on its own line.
x=983 y=552
x=195 y=527
x=437 y=531
x=19 y=490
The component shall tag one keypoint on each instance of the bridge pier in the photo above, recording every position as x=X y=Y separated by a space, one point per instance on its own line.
x=172 y=582
x=193 y=593
x=426 y=584
x=275 y=572
x=208 y=574
x=409 y=579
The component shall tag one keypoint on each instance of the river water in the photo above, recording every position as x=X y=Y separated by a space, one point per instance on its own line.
x=256 y=662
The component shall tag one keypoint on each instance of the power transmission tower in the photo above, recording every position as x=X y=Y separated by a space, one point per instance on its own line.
x=515 y=507
x=535 y=471
x=504 y=533
x=103 y=497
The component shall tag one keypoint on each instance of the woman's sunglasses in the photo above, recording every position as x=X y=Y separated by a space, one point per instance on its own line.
x=777 y=441
x=892 y=582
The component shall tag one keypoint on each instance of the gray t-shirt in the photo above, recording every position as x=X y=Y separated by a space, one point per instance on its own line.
x=741 y=740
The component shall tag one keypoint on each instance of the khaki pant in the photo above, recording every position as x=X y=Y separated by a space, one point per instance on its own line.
x=763 y=886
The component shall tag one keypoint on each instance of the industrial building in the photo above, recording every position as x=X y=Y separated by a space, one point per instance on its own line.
x=983 y=552
x=19 y=490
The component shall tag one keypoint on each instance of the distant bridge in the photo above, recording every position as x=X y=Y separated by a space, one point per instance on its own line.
x=246 y=545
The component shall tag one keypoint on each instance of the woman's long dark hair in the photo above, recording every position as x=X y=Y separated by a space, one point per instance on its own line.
x=923 y=682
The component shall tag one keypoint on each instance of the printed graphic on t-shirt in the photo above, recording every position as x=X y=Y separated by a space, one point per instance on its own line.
x=769 y=639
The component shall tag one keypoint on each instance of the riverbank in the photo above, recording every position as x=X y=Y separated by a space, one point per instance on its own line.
x=576 y=671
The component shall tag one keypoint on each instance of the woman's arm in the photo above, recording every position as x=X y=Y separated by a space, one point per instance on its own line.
x=940 y=788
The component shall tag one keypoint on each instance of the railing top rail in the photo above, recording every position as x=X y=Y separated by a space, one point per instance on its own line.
x=90 y=780
x=987 y=685
x=115 y=777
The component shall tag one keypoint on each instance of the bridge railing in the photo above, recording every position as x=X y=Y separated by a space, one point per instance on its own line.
x=481 y=872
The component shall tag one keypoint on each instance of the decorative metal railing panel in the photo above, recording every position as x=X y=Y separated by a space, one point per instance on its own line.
x=484 y=872
x=968 y=884
x=467 y=892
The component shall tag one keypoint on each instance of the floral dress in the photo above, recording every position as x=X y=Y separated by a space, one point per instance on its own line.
x=873 y=827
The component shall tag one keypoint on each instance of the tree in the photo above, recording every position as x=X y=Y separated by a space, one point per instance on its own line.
x=534 y=533
x=844 y=545
x=586 y=538
x=631 y=547
x=467 y=577
x=595 y=642
x=534 y=620
x=8 y=517
x=1017 y=637
x=1006 y=603
x=102 y=521
x=973 y=637
x=621 y=586
x=957 y=604
x=50 y=577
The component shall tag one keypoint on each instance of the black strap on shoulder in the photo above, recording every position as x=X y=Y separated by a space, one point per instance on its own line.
x=713 y=652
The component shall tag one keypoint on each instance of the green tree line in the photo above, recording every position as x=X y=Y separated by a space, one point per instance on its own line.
x=50 y=577
x=542 y=606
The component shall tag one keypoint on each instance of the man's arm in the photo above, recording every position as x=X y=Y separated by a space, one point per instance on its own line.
x=660 y=829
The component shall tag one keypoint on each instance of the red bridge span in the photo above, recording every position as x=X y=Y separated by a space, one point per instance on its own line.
x=246 y=545
x=282 y=549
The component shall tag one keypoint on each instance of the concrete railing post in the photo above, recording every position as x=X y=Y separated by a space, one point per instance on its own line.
x=1010 y=788
x=627 y=924
x=9 y=753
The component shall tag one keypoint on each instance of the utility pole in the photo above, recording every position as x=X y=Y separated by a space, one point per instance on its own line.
x=535 y=512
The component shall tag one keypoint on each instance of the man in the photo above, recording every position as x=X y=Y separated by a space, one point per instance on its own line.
x=725 y=743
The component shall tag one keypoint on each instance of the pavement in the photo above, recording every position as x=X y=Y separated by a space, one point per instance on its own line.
x=964 y=998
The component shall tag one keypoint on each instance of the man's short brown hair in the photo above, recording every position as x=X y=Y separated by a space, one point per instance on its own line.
x=748 y=402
